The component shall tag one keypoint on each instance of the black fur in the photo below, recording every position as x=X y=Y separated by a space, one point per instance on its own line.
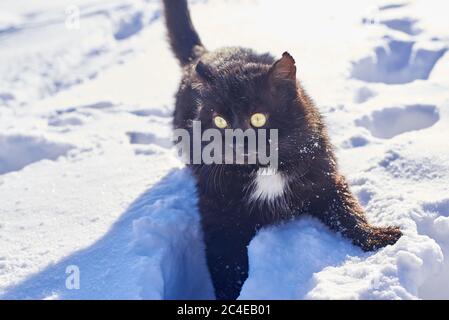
x=235 y=83
x=184 y=40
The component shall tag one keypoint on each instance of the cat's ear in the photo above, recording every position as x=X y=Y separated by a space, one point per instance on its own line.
x=283 y=70
x=205 y=71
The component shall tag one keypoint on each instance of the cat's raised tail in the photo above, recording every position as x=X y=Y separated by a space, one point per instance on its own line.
x=184 y=39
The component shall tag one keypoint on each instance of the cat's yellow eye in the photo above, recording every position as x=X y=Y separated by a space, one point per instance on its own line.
x=220 y=122
x=258 y=120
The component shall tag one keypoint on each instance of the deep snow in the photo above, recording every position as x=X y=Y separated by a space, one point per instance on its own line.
x=88 y=176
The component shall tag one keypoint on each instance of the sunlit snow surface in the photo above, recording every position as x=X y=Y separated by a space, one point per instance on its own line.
x=88 y=177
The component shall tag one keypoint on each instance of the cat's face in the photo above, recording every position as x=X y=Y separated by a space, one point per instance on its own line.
x=254 y=97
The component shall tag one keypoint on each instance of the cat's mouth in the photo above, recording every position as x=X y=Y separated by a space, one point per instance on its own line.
x=245 y=155
x=249 y=154
x=244 y=158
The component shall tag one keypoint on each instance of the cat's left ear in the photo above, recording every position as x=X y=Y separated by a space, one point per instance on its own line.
x=283 y=70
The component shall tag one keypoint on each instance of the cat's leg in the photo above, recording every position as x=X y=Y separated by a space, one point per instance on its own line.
x=338 y=208
x=227 y=259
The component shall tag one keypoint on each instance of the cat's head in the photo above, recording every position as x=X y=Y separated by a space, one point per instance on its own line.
x=253 y=95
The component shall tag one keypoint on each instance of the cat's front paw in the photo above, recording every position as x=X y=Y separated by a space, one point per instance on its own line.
x=377 y=238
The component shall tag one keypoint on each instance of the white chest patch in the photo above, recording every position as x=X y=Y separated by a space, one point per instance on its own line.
x=268 y=185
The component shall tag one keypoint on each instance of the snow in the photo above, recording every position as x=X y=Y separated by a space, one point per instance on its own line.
x=390 y=122
x=88 y=177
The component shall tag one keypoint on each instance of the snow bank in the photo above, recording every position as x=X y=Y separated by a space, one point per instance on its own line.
x=297 y=260
x=170 y=240
x=304 y=260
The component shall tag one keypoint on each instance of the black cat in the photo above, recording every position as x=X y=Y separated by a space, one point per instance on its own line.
x=225 y=89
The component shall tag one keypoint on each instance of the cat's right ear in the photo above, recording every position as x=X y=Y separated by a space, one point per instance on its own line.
x=204 y=71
